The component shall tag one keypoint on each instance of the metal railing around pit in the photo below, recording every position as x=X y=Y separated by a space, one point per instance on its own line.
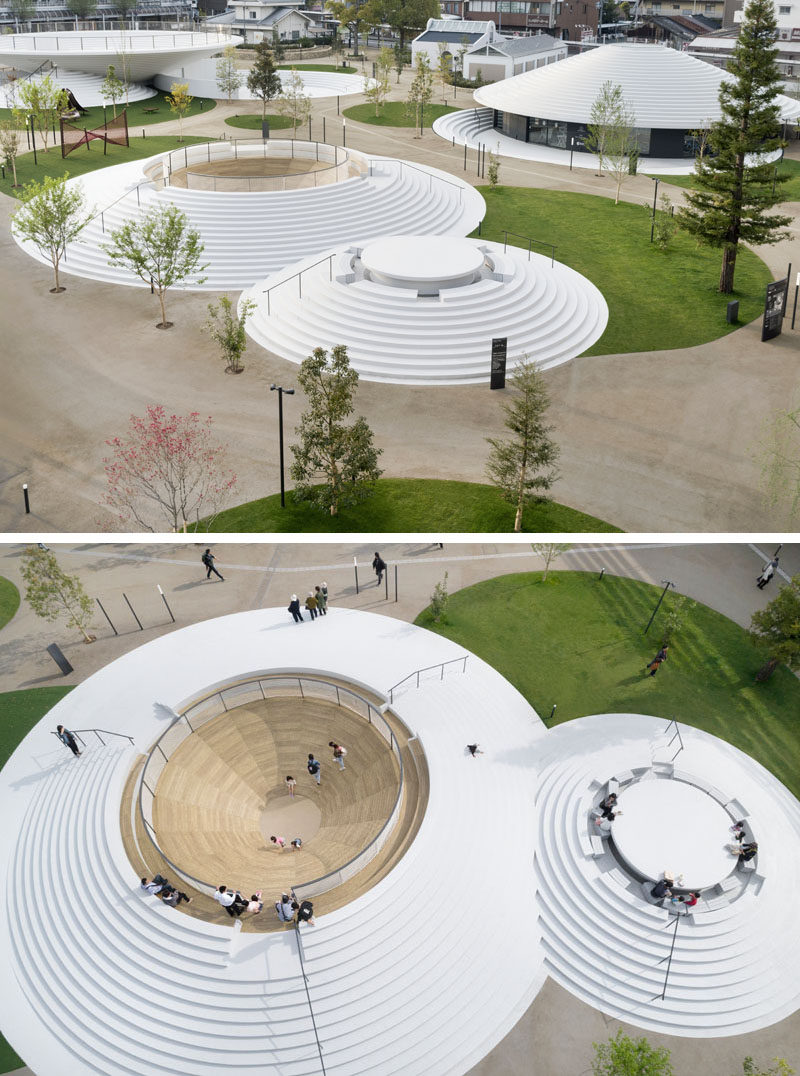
x=128 y=42
x=239 y=694
x=341 y=164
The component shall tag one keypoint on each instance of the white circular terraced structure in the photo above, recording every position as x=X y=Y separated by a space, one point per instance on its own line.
x=145 y=52
x=393 y=990
x=423 y=310
x=250 y=234
x=201 y=75
x=84 y=88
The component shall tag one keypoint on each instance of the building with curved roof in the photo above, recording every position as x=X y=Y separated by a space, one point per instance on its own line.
x=670 y=93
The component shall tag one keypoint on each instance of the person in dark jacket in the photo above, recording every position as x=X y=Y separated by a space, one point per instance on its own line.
x=379 y=566
x=294 y=609
x=208 y=559
x=657 y=660
x=68 y=739
x=660 y=890
x=608 y=805
x=305 y=912
x=748 y=851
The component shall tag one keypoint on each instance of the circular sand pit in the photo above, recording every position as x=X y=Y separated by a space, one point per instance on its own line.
x=286 y=817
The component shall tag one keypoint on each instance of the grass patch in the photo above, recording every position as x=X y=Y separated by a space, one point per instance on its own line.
x=82 y=161
x=790 y=191
x=317 y=67
x=394 y=114
x=138 y=114
x=9 y=601
x=409 y=504
x=656 y=300
x=577 y=641
x=251 y=122
x=21 y=710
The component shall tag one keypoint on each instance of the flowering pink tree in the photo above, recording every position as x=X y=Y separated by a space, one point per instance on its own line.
x=168 y=468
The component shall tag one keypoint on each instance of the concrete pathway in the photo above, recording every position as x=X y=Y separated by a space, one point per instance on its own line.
x=654 y=442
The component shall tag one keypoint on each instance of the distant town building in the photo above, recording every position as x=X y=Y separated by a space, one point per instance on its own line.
x=504 y=57
x=288 y=20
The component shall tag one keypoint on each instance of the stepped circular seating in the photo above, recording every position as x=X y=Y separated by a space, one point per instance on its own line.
x=412 y=330
x=84 y=87
x=145 y=52
x=735 y=963
x=219 y=781
x=249 y=235
x=116 y=983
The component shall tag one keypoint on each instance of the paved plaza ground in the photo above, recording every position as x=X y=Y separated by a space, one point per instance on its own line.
x=556 y=1033
x=671 y=435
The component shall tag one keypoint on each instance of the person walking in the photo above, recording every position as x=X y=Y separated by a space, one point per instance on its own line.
x=279 y=842
x=338 y=753
x=314 y=768
x=324 y=590
x=767 y=573
x=208 y=559
x=311 y=604
x=657 y=660
x=290 y=783
x=68 y=739
x=294 y=609
x=322 y=601
x=379 y=566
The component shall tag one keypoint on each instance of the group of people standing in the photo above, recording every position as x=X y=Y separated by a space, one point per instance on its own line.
x=316 y=604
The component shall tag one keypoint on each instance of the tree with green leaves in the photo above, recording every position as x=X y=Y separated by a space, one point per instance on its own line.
x=776 y=630
x=377 y=89
x=228 y=330
x=112 y=88
x=293 y=101
x=52 y=594
x=405 y=16
x=523 y=467
x=263 y=80
x=161 y=249
x=611 y=133
x=421 y=90
x=82 y=9
x=180 y=101
x=736 y=185
x=341 y=457
x=9 y=146
x=278 y=51
x=125 y=7
x=549 y=552
x=355 y=15
x=676 y=609
x=444 y=70
x=439 y=600
x=42 y=101
x=779 y=455
x=229 y=78
x=664 y=223
x=780 y=1068
x=493 y=168
x=623 y=1056
x=52 y=214
x=401 y=58
x=21 y=10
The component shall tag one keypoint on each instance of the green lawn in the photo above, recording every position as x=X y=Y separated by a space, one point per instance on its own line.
x=394 y=114
x=408 y=504
x=656 y=300
x=9 y=601
x=318 y=67
x=21 y=710
x=578 y=641
x=138 y=114
x=252 y=122
x=82 y=160
x=790 y=191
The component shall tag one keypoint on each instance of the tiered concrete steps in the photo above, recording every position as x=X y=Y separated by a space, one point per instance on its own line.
x=546 y=311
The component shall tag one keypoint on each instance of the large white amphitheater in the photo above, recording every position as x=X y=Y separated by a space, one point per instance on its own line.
x=505 y=882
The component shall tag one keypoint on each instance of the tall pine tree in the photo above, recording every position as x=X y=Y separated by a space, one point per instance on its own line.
x=735 y=183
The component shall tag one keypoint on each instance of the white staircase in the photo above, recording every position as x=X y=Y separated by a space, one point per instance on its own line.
x=248 y=236
x=546 y=311
x=469 y=127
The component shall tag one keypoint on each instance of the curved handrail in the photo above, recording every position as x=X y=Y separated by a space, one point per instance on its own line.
x=106 y=732
x=208 y=887
x=427 y=668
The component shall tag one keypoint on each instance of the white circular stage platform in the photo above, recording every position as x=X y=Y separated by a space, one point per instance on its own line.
x=84 y=88
x=674 y=826
x=422 y=310
x=201 y=75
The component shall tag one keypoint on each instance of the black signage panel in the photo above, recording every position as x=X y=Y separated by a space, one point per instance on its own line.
x=774 y=304
x=498 y=373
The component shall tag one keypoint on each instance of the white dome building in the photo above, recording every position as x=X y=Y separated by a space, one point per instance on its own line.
x=670 y=93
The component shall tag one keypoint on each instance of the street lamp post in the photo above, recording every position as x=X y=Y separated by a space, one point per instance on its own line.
x=655 y=200
x=667 y=585
x=289 y=392
x=571 y=151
